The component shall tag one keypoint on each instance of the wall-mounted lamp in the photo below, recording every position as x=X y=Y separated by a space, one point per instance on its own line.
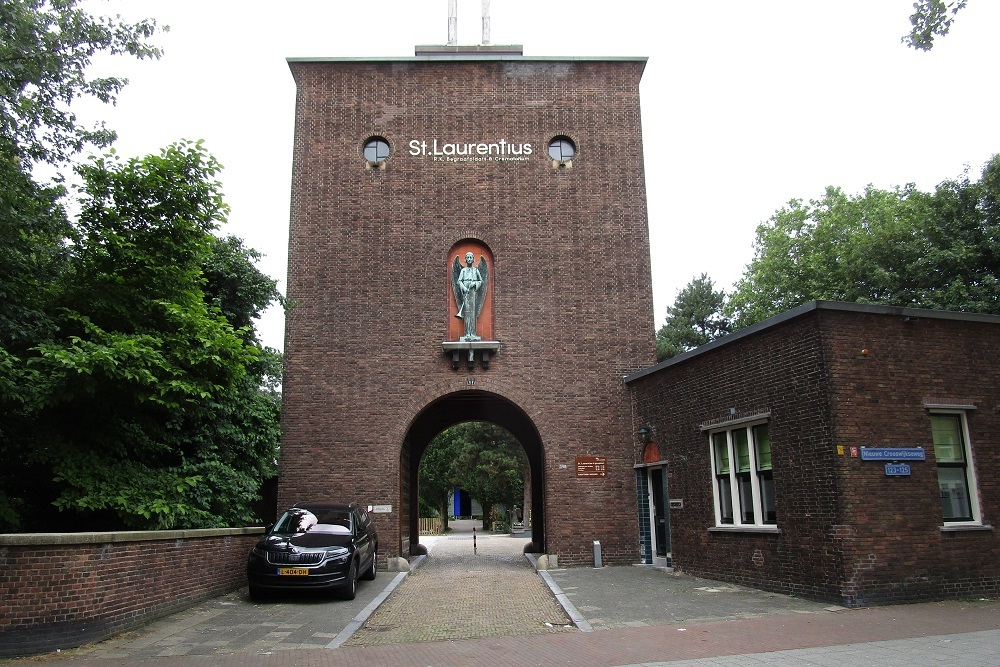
x=645 y=432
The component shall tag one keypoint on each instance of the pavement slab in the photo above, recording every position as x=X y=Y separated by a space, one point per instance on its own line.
x=485 y=606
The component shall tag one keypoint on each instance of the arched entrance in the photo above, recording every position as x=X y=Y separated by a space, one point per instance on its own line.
x=461 y=407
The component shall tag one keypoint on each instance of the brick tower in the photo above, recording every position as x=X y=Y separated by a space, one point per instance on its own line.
x=402 y=166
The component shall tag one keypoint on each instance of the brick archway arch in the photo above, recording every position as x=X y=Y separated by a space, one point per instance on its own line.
x=463 y=406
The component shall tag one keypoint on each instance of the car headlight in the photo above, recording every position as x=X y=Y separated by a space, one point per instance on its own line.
x=257 y=551
x=337 y=554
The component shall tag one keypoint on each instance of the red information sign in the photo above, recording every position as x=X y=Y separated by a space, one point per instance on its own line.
x=591 y=466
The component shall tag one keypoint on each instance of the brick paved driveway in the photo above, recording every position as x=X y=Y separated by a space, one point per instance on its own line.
x=458 y=593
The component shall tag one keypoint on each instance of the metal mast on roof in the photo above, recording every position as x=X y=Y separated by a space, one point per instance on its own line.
x=452 y=22
x=486 y=21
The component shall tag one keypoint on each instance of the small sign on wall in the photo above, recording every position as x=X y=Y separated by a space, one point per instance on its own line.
x=380 y=509
x=591 y=466
x=893 y=454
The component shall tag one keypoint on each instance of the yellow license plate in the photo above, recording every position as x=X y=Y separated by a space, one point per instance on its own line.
x=293 y=572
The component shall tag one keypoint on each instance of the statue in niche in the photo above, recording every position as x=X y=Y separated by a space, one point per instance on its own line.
x=469 y=284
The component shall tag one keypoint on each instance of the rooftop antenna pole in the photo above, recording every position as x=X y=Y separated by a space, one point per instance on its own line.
x=452 y=22
x=486 y=22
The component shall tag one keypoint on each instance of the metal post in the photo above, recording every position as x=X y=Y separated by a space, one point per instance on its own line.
x=597 y=554
x=452 y=22
x=473 y=539
x=486 y=21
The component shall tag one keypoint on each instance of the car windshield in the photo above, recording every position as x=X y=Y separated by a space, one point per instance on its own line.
x=299 y=520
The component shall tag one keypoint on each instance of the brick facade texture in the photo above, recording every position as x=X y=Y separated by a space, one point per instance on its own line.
x=369 y=281
x=855 y=378
x=59 y=595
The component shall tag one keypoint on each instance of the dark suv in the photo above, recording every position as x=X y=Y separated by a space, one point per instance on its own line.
x=315 y=546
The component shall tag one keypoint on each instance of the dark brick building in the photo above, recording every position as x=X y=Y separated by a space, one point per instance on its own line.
x=535 y=166
x=838 y=451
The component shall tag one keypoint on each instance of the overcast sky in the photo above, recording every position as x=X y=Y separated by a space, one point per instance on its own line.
x=745 y=105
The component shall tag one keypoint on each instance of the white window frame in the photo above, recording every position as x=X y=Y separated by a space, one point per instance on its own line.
x=734 y=491
x=971 y=479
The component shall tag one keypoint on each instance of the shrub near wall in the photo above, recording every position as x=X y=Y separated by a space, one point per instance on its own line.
x=68 y=589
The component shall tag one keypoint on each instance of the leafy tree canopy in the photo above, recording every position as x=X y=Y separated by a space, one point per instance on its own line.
x=133 y=390
x=438 y=472
x=482 y=458
x=900 y=247
x=931 y=18
x=694 y=319
x=46 y=47
x=140 y=403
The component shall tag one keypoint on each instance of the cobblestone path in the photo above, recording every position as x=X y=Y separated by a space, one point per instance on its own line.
x=458 y=594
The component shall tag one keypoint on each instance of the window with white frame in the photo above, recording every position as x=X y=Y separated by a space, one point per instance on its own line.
x=744 y=483
x=956 y=477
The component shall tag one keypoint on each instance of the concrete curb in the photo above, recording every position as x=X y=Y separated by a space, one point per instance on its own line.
x=574 y=614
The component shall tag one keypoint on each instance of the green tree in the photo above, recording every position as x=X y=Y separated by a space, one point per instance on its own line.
x=133 y=389
x=46 y=47
x=147 y=407
x=695 y=318
x=931 y=18
x=34 y=254
x=491 y=468
x=482 y=458
x=899 y=247
x=437 y=475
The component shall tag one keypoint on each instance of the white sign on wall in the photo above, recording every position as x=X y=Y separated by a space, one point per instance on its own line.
x=482 y=151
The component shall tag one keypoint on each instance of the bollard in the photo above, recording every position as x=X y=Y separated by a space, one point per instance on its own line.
x=473 y=539
x=597 y=554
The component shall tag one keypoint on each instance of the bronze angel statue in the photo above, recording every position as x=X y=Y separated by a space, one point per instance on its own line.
x=469 y=284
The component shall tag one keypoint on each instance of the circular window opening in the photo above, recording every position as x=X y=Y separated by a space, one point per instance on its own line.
x=376 y=149
x=562 y=149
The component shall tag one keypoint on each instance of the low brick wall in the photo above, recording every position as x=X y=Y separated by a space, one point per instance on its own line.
x=68 y=589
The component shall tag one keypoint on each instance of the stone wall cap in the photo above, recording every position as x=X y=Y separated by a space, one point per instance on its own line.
x=36 y=539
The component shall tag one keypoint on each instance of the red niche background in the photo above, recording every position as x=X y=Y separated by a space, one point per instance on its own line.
x=484 y=325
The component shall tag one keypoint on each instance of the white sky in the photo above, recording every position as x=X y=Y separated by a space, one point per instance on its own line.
x=745 y=105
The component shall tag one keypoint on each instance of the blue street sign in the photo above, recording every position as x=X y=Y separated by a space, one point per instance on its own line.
x=893 y=454
x=897 y=470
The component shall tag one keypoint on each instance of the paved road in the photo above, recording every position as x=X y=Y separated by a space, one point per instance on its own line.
x=489 y=608
x=462 y=591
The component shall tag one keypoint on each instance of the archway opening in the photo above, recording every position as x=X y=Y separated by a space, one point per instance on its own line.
x=457 y=408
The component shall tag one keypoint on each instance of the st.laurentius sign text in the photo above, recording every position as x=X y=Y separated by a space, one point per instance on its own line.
x=482 y=151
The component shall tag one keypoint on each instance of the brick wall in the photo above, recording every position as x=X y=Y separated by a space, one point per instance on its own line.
x=369 y=282
x=884 y=370
x=780 y=371
x=837 y=376
x=65 y=590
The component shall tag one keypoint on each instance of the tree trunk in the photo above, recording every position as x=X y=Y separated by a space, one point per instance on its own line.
x=443 y=510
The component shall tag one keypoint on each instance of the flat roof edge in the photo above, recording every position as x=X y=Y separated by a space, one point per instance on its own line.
x=847 y=306
x=467 y=56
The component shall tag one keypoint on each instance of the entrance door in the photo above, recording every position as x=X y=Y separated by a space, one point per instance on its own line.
x=658 y=513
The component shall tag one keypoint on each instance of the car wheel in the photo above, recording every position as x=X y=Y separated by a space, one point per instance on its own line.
x=350 y=589
x=370 y=572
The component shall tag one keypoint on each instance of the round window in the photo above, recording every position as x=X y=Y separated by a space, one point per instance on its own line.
x=376 y=149
x=562 y=149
